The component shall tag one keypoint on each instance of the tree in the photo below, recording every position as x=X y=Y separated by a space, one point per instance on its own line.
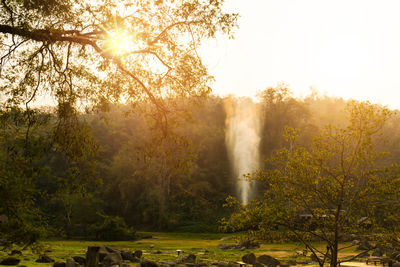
x=281 y=109
x=325 y=191
x=82 y=52
x=86 y=54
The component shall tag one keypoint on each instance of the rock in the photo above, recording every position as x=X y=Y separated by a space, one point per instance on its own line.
x=92 y=256
x=16 y=252
x=111 y=259
x=249 y=258
x=59 y=264
x=225 y=246
x=138 y=254
x=191 y=258
x=128 y=256
x=10 y=261
x=80 y=260
x=258 y=264
x=71 y=263
x=44 y=259
x=249 y=244
x=222 y=264
x=355 y=242
x=233 y=264
x=268 y=260
x=149 y=263
x=104 y=251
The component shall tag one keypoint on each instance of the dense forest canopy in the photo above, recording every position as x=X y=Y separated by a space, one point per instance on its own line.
x=138 y=179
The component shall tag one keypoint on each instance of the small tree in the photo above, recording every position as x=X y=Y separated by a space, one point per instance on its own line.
x=326 y=190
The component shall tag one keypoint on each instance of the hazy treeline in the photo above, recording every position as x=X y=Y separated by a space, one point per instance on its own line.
x=126 y=175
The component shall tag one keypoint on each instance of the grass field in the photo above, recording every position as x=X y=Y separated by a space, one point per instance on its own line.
x=204 y=246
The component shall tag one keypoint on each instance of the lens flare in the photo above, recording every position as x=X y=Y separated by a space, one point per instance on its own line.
x=119 y=43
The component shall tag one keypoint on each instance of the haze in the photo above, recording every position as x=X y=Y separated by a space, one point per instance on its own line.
x=349 y=49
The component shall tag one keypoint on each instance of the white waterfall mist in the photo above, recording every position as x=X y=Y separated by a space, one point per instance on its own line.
x=242 y=139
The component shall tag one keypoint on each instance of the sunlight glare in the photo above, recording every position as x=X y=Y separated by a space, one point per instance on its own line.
x=120 y=42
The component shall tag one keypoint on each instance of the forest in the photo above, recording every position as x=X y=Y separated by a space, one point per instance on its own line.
x=121 y=175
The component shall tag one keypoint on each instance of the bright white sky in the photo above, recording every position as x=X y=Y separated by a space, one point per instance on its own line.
x=346 y=48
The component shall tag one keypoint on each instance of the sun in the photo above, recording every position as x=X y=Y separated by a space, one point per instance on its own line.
x=119 y=42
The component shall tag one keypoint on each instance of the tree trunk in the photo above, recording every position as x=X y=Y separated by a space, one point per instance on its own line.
x=334 y=255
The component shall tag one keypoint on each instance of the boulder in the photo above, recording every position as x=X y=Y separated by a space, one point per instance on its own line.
x=128 y=256
x=71 y=263
x=80 y=260
x=149 y=263
x=233 y=264
x=248 y=244
x=258 y=264
x=249 y=258
x=268 y=260
x=138 y=254
x=104 y=251
x=10 y=261
x=59 y=264
x=16 y=252
x=191 y=258
x=225 y=246
x=92 y=256
x=44 y=259
x=111 y=259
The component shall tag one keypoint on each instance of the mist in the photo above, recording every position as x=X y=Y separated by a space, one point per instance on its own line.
x=243 y=140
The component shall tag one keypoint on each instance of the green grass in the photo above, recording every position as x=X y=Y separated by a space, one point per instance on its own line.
x=204 y=246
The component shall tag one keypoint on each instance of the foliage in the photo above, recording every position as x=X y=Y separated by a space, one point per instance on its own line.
x=81 y=56
x=326 y=190
x=112 y=229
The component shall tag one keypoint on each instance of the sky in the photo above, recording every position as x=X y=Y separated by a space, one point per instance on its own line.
x=344 y=48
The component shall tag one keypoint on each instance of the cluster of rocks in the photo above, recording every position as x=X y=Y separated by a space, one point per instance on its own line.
x=104 y=256
x=96 y=256
x=260 y=261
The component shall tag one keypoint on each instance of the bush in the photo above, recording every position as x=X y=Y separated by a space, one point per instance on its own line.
x=113 y=228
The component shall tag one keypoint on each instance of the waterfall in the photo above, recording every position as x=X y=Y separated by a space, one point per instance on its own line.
x=243 y=139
